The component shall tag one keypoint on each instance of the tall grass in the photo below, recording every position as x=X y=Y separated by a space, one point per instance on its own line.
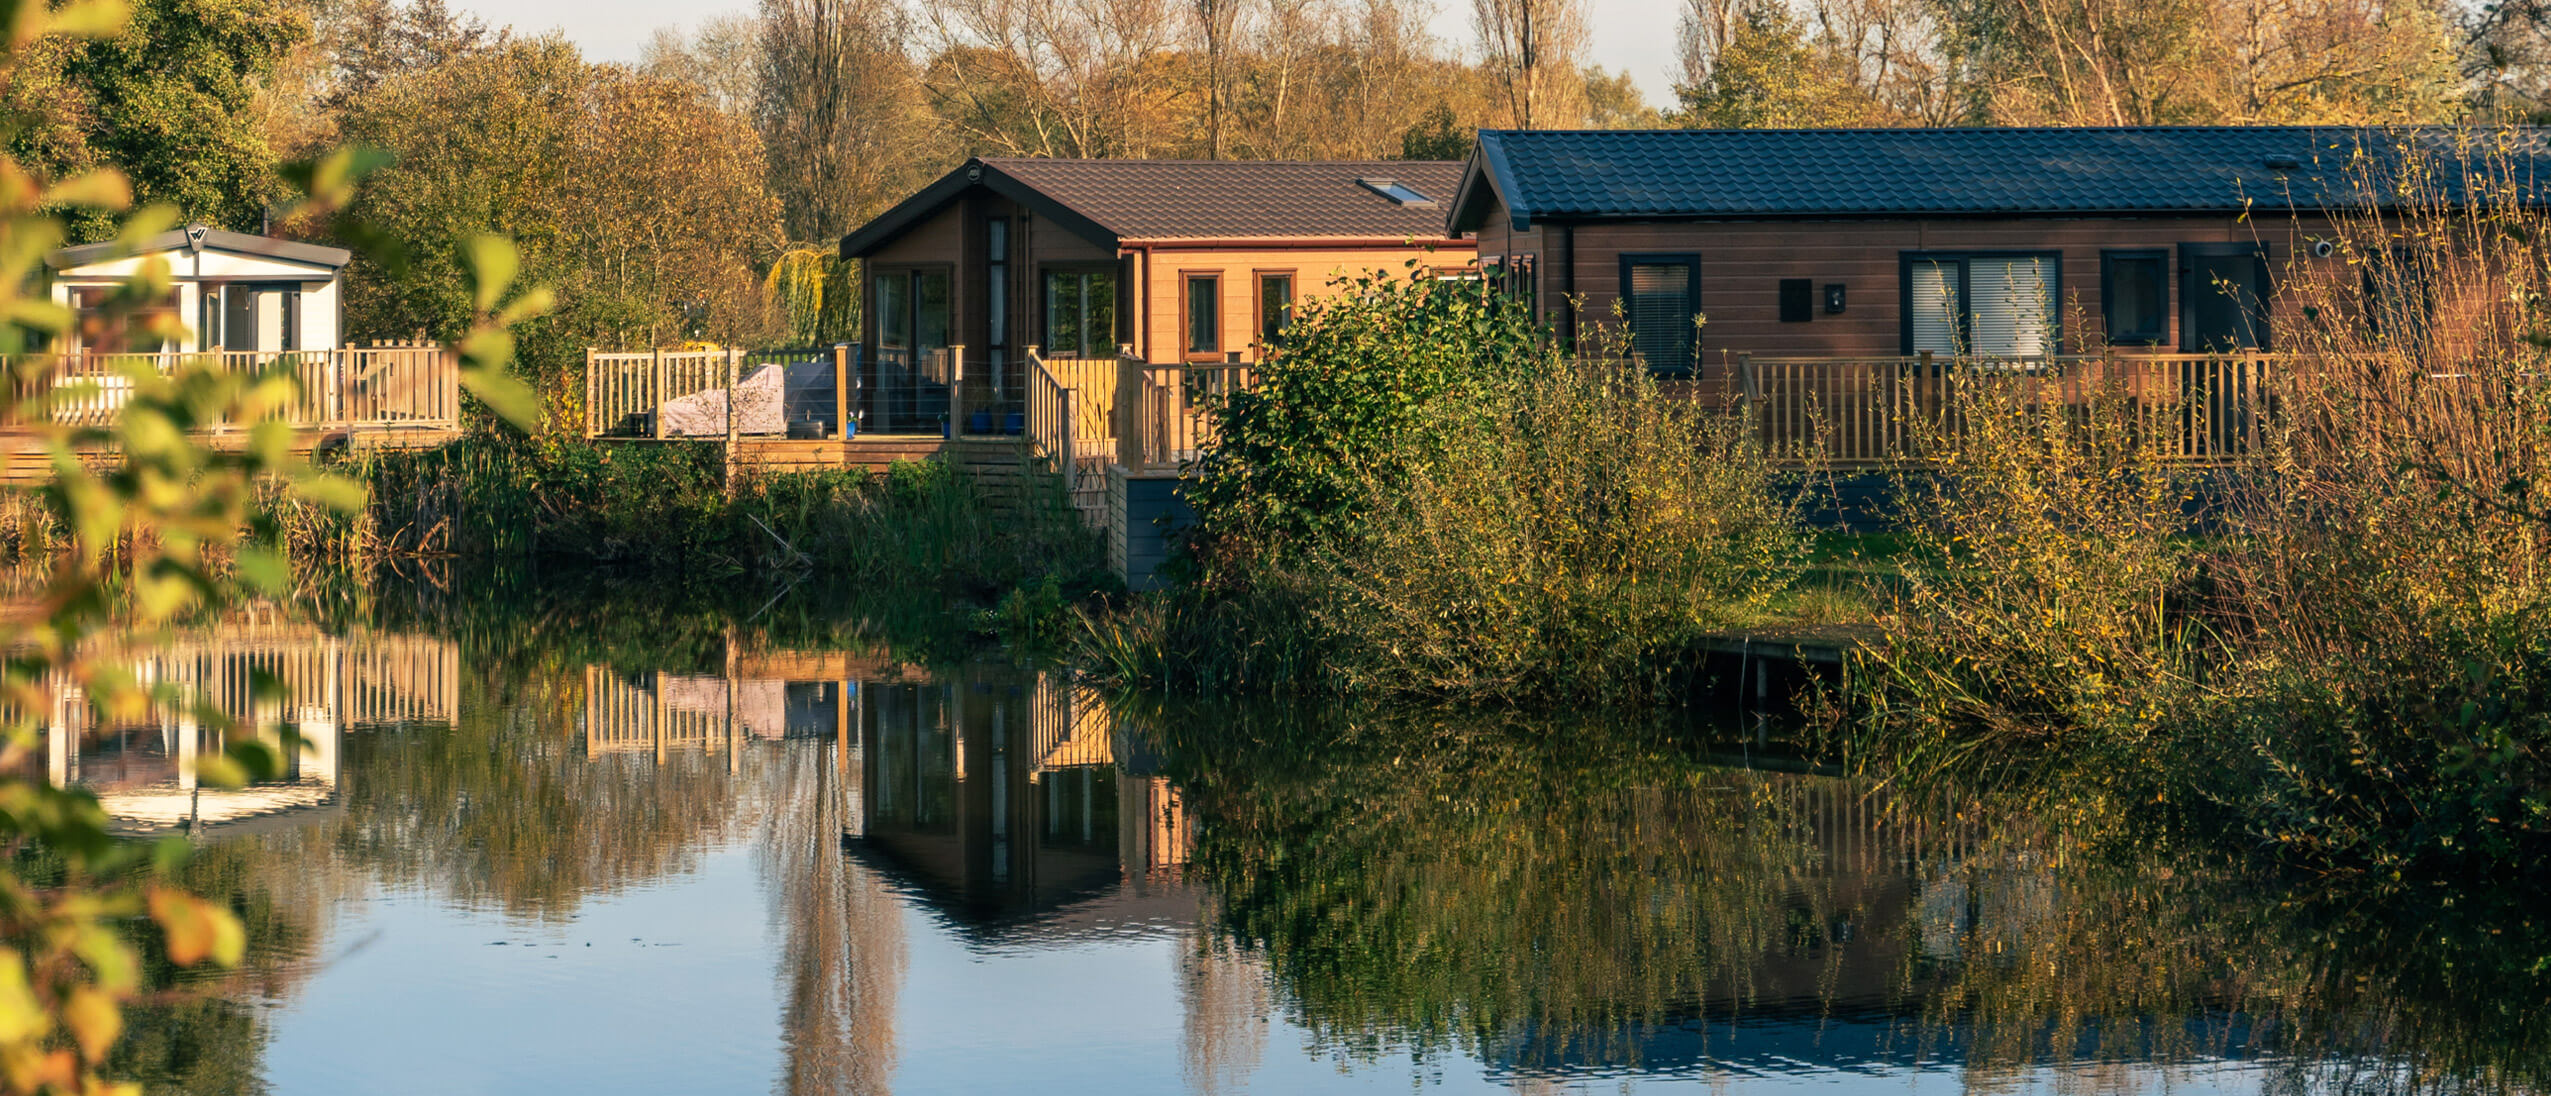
x=2349 y=658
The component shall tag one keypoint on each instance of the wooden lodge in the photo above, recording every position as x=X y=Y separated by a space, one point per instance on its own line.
x=235 y=303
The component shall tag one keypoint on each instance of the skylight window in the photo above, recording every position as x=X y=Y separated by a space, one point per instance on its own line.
x=1398 y=192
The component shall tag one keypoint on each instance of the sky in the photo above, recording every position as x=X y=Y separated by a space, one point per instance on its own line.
x=1637 y=35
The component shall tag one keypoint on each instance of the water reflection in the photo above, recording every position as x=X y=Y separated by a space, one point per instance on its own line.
x=720 y=861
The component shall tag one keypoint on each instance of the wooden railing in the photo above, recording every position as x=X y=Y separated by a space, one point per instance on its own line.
x=1850 y=412
x=1174 y=416
x=1058 y=434
x=624 y=390
x=384 y=387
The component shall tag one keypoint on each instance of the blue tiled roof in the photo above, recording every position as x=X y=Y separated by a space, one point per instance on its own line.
x=1613 y=174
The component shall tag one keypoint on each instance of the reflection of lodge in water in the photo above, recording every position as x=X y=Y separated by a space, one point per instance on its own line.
x=990 y=796
x=261 y=678
x=998 y=798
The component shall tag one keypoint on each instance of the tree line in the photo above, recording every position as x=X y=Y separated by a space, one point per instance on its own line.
x=696 y=192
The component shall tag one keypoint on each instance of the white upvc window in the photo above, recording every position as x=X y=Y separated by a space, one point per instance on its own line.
x=1988 y=305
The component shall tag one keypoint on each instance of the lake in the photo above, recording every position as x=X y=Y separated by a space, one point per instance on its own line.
x=650 y=843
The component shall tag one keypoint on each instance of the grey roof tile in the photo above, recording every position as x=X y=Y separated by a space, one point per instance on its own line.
x=1586 y=174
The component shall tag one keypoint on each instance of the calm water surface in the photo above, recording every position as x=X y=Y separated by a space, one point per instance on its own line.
x=610 y=846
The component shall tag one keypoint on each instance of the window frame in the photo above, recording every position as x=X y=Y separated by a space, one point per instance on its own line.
x=1266 y=333
x=1906 y=260
x=2108 y=258
x=1188 y=350
x=1115 y=336
x=2218 y=250
x=1691 y=262
x=910 y=273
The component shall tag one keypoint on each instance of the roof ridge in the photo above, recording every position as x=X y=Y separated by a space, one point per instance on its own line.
x=1113 y=160
x=1913 y=130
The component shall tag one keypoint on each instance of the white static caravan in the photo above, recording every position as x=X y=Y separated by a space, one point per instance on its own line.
x=233 y=291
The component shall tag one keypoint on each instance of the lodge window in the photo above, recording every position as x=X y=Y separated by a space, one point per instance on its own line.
x=1275 y=305
x=101 y=327
x=2400 y=297
x=1511 y=276
x=1661 y=302
x=1204 y=314
x=1080 y=313
x=250 y=317
x=2134 y=297
x=912 y=309
x=1797 y=300
x=2223 y=297
x=1985 y=304
x=996 y=291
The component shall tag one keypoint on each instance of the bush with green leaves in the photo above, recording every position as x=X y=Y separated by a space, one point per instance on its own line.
x=1579 y=548
x=1365 y=384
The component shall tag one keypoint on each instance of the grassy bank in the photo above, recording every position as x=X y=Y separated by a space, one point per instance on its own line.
x=923 y=529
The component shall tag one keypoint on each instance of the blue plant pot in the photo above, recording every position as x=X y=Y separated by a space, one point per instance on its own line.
x=850 y=430
x=1014 y=423
x=979 y=423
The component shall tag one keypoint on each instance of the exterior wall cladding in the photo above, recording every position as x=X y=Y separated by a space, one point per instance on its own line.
x=1742 y=264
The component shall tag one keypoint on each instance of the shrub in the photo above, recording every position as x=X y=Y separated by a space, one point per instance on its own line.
x=1367 y=382
x=2350 y=659
x=1579 y=548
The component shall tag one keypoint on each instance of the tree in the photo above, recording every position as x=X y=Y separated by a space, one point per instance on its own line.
x=1534 y=50
x=1613 y=101
x=1752 y=65
x=722 y=57
x=1214 y=19
x=1435 y=137
x=839 y=108
x=169 y=100
x=370 y=41
x=2146 y=62
x=636 y=196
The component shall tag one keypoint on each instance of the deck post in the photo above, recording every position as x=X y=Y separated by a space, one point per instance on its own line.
x=655 y=413
x=734 y=359
x=593 y=397
x=341 y=365
x=1129 y=409
x=956 y=391
x=841 y=391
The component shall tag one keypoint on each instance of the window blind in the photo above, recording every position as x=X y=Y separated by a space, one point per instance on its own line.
x=1661 y=314
x=1933 y=307
x=2012 y=305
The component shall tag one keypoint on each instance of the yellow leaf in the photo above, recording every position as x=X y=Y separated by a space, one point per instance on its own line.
x=197 y=930
x=93 y=1020
x=21 y=1018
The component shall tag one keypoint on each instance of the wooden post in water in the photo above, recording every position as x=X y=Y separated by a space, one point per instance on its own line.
x=734 y=359
x=734 y=732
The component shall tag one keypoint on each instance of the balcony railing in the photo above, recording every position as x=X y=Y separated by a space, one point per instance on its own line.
x=1856 y=412
x=380 y=387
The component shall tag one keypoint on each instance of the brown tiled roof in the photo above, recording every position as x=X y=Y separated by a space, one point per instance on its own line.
x=1200 y=199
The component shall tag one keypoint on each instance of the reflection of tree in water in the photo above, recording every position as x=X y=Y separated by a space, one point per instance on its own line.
x=1562 y=898
x=505 y=809
x=844 y=953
